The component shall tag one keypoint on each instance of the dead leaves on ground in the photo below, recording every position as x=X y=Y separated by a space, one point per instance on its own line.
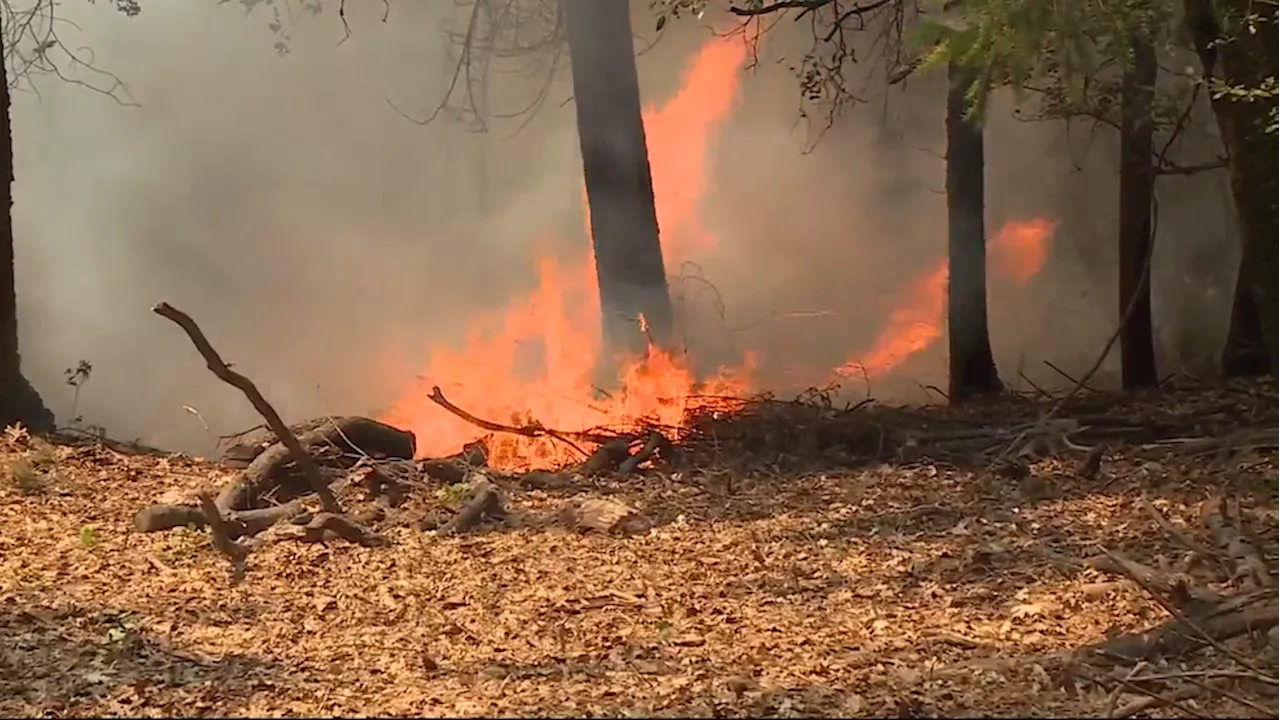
x=895 y=591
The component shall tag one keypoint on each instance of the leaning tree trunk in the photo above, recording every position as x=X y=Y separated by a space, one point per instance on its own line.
x=624 y=223
x=19 y=402
x=972 y=368
x=1137 y=189
x=1237 y=53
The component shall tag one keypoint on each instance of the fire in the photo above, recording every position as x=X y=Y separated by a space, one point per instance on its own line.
x=1020 y=250
x=535 y=360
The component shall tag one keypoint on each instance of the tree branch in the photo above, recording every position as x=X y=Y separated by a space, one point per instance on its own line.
x=218 y=367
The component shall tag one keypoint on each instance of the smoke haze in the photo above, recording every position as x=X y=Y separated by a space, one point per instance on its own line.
x=323 y=241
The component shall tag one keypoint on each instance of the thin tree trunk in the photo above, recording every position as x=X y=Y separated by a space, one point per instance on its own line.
x=19 y=402
x=615 y=158
x=971 y=365
x=1137 y=189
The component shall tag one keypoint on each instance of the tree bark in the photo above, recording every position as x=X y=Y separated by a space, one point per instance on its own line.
x=971 y=365
x=615 y=158
x=1137 y=189
x=1244 y=354
x=1246 y=59
x=19 y=402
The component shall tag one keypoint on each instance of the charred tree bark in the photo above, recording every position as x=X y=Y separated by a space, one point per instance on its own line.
x=19 y=402
x=615 y=158
x=972 y=368
x=1246 y=59
x=1137 y=189
x=1245 y=353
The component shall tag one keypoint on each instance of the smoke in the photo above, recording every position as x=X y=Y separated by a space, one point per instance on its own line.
x=323 y=241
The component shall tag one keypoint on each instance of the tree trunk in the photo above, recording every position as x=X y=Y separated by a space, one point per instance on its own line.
x=1246 y=59
x=19 y=402
x=972 y=368
x=1244 y=354
x=1137 y=188
x=624 y=223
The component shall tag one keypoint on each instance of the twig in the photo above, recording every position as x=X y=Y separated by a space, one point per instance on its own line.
x=1041 y=391
x=218 y=367
x=1064 y=374
x=532 y=430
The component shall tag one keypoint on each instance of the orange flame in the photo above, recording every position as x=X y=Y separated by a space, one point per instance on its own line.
x=535 y=359
x=1020 y=250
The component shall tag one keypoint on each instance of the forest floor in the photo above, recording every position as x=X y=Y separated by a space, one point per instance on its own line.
x=907 y=591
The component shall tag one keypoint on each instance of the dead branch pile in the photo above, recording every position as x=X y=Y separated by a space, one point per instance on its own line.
x=809 y=429
x=1221 y=599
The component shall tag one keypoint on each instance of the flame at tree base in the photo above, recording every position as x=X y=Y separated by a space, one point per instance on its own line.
x=534 y=362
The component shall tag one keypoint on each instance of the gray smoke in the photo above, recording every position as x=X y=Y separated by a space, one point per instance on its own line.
x=325 y=242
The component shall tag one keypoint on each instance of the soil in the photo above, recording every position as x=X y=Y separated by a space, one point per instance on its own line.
x=890 y=591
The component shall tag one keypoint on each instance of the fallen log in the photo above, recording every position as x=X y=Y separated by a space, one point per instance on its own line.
x=1200 y=617
x=454 y=468
x=237 y=524
x=347 y=439
x=656 y=443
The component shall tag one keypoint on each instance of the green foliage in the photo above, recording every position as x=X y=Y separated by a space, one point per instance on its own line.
x=1062 y=49
x=88 y=537
x=1266 y=91
x=454 y=494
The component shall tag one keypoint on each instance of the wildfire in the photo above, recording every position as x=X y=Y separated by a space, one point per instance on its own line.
x=535 y=359
x=1019 y=251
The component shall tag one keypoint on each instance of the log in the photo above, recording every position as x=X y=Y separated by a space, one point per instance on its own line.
x=250 y=443
x=454 y=468
x=348 y=436
x=220 y=369
x=237 y=525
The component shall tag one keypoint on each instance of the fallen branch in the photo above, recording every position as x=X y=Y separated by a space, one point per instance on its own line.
x=327 y=523
x=222 y=541
x=656 y=443
x=237 y=525
x=531 y=430
x=1223 y=520
x=219 y=368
